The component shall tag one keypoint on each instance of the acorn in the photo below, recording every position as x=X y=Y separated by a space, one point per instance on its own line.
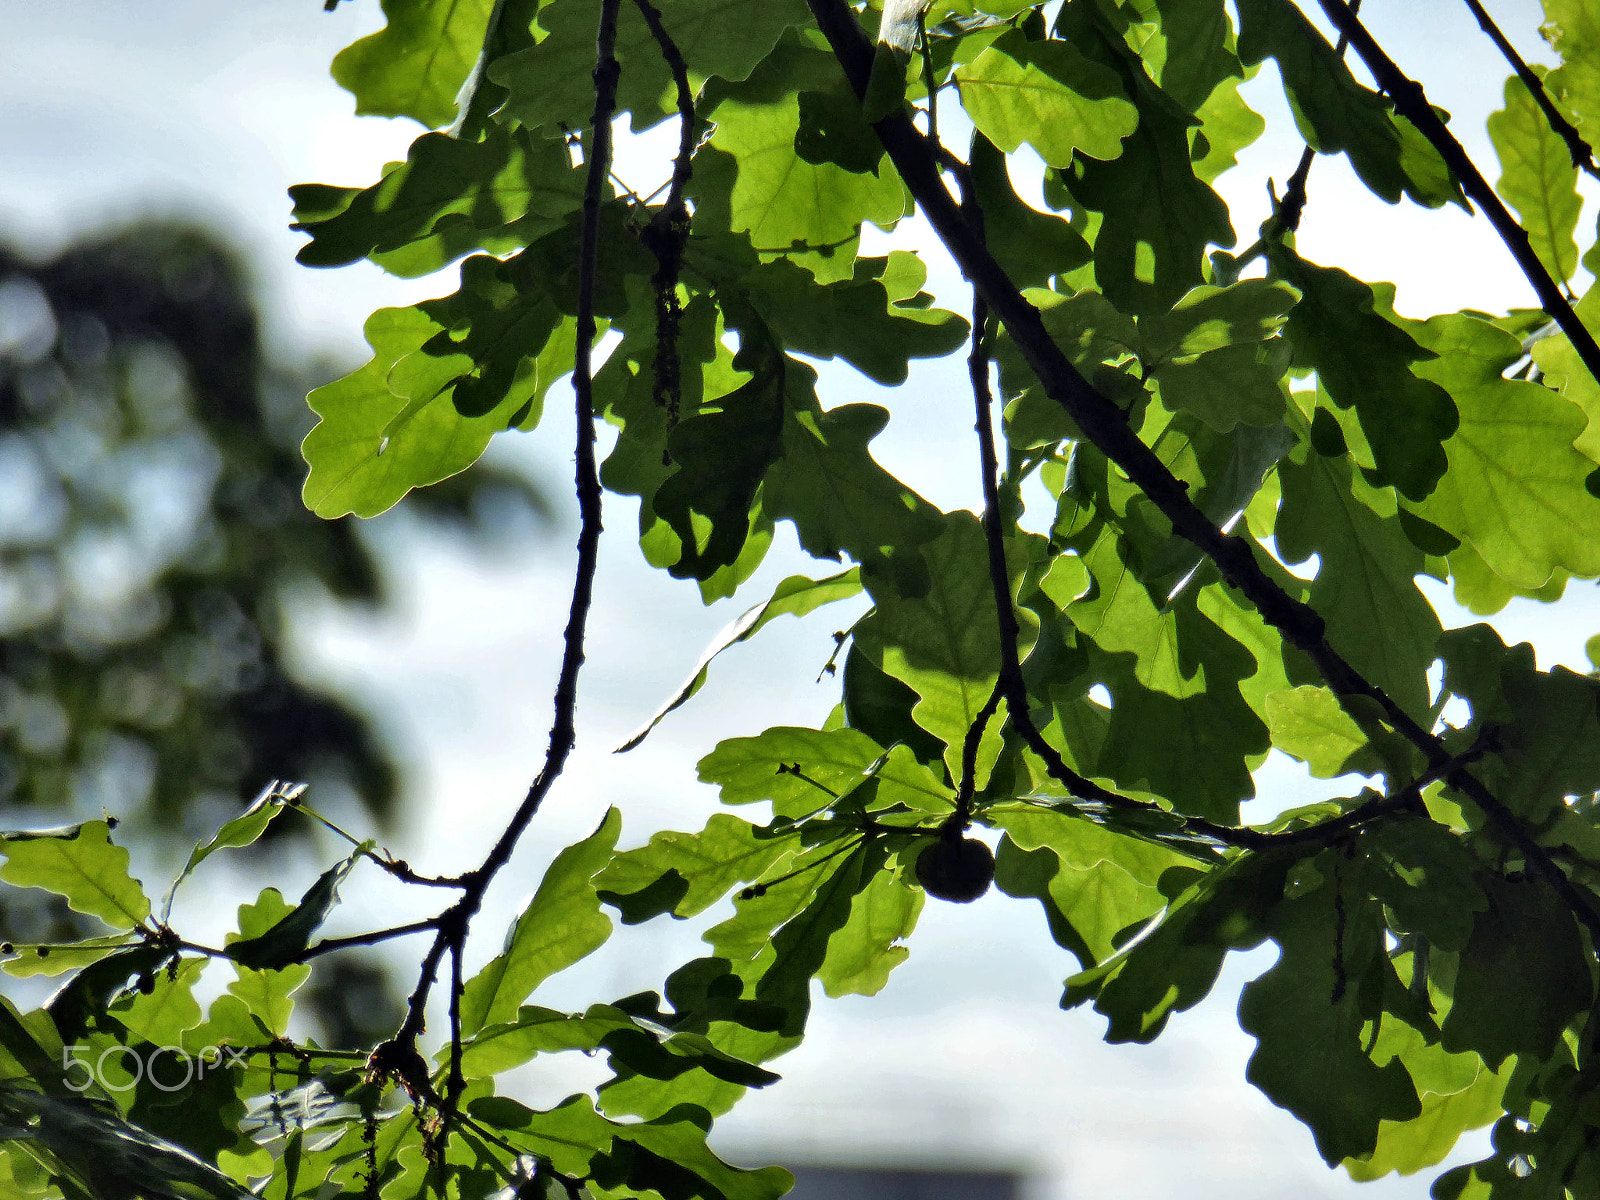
x=959 y=869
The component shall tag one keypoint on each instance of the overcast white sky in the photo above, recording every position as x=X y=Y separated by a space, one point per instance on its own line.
x=114 y=108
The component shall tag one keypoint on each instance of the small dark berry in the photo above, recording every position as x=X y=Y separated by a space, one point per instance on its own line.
x=959 y=871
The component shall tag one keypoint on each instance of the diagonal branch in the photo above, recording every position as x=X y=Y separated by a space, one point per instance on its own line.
x=1582 y=154
x=1102 y=423
x=1411 y=102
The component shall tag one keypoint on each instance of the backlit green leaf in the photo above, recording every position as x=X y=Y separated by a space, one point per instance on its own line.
x=79 y=863
x=1538 y=179
x=1515 y=490
x=416 y=64
x=561 y=925
x=1048 y=95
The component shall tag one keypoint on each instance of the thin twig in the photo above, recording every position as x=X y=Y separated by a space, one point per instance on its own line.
x=1411 y=102
x=1286 y=215
x=330 y=945
x=668 y=230
x=457 y=1082
x=1104 y=424
x=681 y=164
x=1580 y=150
x=969 y=757
x=927 y=77
x=452 y=924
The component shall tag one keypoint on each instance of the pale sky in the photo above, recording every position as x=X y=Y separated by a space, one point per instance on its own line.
x=117 y=108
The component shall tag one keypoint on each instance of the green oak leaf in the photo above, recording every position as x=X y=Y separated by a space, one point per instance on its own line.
x=1169 y=668
x=267 y=993
x=1573 y=28
x=839 y=760
x=51 y=959
x=1048 y=95
x=1335 y=114
x=373 y=445
x=169 y=1010
x=1174 y=966
x=242 y=830
x=1096 y=885
x=802 y=946
x=549 y=84
x=1188 y=47
x=415 y=65
x=1537 y=178
x=1525 y=933
x=722 y=453
x=856 y=319
x=1309 y=724
x=1546 y=724
x=1516 y=487
x=945 y=643
x=561 y=925
x=1305 y=1014
x=448 y=198
x=827 y=482
x=868 y=946
x=276 y=939
x=1457 y=1093
x=1031 y=245
x=1217 y=354
x=747 y=177
x=1365 y=587
x=697 y=868
x=1157 y=216
x=80 y=864
x=1227 y=126
x=1426 y=875
x=1365 y=362
x=669 y=1155
x=1563 y=370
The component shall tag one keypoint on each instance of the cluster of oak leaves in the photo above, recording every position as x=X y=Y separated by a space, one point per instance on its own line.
x=1436 y=961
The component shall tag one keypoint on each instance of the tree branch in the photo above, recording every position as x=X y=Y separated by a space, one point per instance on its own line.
x=1582 y=154
x=1104 y=424
x=452 y=924
x=1411 y=102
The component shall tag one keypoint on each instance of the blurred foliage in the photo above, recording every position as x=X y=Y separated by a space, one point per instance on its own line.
x=150 y=532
